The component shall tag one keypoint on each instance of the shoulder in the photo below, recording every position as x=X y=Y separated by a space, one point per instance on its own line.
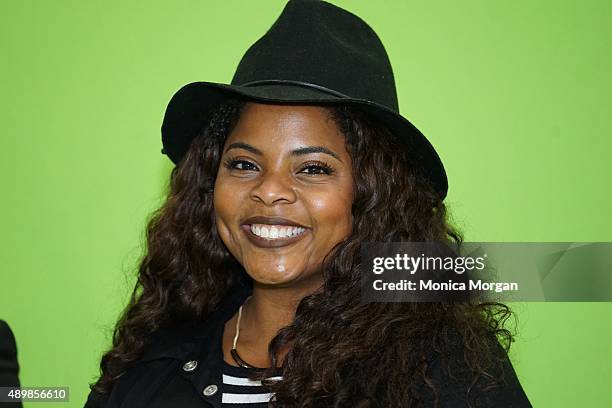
x=161 y=356
x=479 y=381
x=166 y=350
x=9 y=367
x=7 y=340
x=159 y=360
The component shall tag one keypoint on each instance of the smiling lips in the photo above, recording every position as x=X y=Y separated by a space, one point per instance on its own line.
x=275 y=231
x=271 y=232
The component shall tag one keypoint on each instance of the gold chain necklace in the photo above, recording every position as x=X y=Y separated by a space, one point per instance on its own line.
x=233 y=351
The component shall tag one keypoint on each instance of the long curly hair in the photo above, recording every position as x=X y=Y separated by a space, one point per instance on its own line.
x=342 y=353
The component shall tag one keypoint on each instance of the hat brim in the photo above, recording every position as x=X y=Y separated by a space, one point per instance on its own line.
x=190 y=107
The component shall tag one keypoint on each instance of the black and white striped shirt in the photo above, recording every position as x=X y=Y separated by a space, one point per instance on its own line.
x=240 y=391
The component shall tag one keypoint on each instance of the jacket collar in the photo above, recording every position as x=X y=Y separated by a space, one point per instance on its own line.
x=200 y=342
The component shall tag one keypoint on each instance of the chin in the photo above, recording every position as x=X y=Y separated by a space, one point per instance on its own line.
x=273 y=275
x=271 y=279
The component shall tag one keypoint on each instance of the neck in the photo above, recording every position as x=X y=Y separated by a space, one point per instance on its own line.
x=269 y=309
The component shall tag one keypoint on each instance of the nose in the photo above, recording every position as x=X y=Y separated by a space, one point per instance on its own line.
x=274 y=188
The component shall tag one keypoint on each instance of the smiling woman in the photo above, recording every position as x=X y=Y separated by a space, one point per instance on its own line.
x=249 y=294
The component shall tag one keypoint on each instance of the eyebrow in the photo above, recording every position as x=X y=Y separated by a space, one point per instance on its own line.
x=296 y=152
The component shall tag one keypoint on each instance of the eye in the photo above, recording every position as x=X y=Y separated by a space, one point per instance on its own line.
x=237 y=164
x=317 y=167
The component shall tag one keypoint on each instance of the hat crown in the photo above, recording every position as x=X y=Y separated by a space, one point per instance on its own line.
x=317 y=43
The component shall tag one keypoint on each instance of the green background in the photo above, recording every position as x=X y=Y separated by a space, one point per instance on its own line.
x=516 y=97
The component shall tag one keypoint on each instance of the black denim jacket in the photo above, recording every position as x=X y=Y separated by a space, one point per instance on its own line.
x=182 y=368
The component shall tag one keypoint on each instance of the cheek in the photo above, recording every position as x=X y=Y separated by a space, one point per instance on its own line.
x=332 y=213
x=226 y=206
x=225 y=202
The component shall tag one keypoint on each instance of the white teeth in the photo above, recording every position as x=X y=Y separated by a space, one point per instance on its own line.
x=275 y=231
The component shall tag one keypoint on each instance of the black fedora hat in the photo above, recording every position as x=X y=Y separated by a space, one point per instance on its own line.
x=314 y=53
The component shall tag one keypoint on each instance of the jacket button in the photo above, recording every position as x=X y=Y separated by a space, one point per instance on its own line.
x=210 y=390
x=190 y=365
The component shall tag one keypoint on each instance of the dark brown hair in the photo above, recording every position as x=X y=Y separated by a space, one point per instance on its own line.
x=342 y=353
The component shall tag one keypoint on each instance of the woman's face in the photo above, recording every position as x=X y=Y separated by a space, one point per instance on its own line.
x=283 y=192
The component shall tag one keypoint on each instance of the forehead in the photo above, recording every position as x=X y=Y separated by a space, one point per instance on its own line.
x=272 y=126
